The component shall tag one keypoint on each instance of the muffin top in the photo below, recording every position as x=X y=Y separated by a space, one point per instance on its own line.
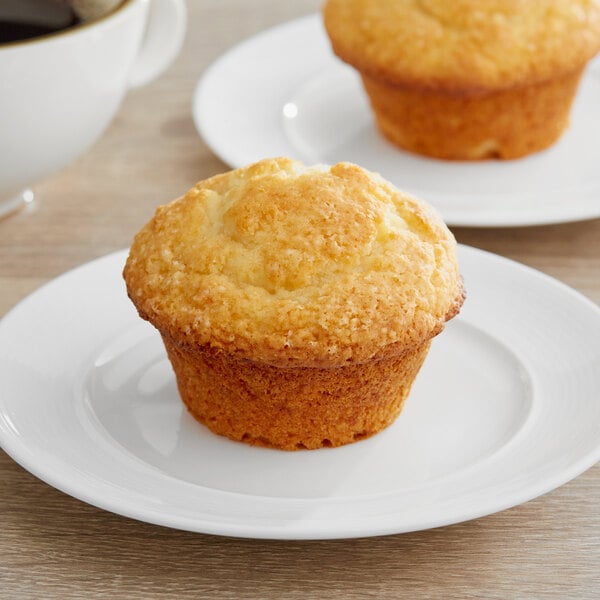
x=464 y=45
x=293 y=265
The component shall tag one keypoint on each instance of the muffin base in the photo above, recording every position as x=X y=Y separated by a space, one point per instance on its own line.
x=292 y=408
x=504 y=124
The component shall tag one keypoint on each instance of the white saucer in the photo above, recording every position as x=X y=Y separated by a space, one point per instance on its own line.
x=505 y=409
x=283 y=93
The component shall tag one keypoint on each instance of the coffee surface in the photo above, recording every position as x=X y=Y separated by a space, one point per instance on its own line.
x=26 y=19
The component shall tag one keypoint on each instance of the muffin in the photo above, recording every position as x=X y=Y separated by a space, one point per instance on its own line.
x=296 y=304
x=467 y=79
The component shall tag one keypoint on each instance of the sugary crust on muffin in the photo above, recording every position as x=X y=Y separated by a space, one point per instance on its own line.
x=291 y=265
x=465 y=46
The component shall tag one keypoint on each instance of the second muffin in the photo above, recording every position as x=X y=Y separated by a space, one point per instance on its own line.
x=465 y=79
x=296 y=304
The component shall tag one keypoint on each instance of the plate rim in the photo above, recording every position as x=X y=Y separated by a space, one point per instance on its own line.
x=18 y=450
x=529 y=218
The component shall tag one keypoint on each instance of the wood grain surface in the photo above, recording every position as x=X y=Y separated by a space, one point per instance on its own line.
x=53 y=546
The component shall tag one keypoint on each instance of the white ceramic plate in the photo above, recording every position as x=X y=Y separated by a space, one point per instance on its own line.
x=283 y=93
x=505 y=409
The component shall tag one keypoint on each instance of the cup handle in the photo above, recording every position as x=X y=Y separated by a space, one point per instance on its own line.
x=165 y=32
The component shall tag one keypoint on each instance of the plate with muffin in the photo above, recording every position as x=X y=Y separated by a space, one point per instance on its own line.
x=301 y=352
x=488 y=111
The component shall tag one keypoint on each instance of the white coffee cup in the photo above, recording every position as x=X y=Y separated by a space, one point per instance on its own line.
x=59 y=92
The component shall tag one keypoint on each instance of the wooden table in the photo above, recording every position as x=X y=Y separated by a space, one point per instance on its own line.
x=53 y=546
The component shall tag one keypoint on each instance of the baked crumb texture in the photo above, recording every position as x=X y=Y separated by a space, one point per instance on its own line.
x=297 y=408
x=296 y=303
x=467 y=79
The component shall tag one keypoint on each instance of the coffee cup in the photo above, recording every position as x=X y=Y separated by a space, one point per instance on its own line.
x=61 y=90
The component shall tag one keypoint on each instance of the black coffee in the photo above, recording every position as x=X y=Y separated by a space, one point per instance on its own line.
x=25 y=19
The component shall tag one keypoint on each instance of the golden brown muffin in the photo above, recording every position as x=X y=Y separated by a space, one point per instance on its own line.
x=296 y=304
x=467 y=79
